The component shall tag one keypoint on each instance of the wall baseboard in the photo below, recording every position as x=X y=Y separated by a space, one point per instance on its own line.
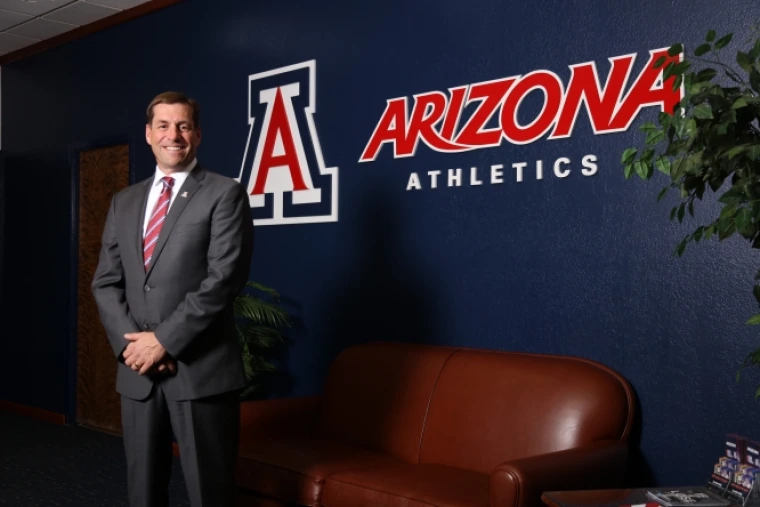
x=33 y=412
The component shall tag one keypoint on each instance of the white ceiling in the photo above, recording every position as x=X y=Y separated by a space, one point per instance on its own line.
x=26 y=22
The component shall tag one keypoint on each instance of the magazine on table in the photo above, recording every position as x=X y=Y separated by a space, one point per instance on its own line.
x=686 y=497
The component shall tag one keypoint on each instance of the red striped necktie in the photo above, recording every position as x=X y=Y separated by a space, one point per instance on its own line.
x=157 y=220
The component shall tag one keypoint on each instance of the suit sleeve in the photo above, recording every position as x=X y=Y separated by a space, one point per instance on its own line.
x=109 y=290
x=229 y=262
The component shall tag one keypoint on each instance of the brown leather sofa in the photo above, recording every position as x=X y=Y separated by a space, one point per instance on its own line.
x=417 y=425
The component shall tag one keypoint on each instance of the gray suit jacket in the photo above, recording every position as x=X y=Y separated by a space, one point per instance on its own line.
x=201 y=262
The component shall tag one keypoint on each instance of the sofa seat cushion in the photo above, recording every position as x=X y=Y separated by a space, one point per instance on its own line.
x=407 y=485
x=294 y=469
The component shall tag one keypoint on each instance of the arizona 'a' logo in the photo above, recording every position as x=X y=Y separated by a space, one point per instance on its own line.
x=287 y=180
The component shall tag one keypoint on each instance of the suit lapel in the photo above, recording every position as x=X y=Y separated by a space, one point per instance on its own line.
x=184 y=194
x=139 y=217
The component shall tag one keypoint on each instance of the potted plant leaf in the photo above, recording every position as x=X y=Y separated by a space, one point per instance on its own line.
x=709 y=147
x=261 y=320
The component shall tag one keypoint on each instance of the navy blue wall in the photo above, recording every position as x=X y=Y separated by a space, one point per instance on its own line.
x=578 y=265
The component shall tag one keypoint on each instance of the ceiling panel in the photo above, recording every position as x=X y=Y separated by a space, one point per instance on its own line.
x=81 y=13
x=33 y=8
x=41 y=28
x=10 y=18
x=119 y=4
x=10 y=42
x=24 y=23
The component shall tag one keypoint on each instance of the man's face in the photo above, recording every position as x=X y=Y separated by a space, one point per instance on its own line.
x=172 y=136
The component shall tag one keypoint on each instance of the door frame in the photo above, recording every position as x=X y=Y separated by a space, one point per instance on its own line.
x=2 y=227
x=73 y=306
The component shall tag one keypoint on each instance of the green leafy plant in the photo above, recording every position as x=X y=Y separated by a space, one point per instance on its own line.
x=260 y=325
x=710 y=141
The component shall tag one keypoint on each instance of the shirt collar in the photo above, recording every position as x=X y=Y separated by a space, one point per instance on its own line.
x=180 y=175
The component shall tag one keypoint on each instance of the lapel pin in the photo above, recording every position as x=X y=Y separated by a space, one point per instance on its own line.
x=184 y=194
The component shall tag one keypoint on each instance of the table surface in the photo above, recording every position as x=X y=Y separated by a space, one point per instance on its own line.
x=602 y=497
x=589 y=498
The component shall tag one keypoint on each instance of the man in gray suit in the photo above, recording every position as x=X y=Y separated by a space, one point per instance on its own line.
x=176 y=251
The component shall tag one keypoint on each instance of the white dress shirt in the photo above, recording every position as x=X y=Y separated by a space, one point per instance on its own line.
x=155 y=189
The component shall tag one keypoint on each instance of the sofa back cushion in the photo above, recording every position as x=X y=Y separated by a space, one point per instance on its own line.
x=491 y=407
x=377 y=395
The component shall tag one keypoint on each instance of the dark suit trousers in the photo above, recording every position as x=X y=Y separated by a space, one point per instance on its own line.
x=207 y=433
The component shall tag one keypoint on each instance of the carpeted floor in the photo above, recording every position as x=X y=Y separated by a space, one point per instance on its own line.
x=48 y=465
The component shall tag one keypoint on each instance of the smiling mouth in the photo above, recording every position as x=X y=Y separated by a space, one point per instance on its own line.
x=174 y=149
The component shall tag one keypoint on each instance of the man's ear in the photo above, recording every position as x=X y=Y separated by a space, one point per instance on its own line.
x=147 y=133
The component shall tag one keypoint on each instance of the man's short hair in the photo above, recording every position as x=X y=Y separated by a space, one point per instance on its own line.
x=174 y=98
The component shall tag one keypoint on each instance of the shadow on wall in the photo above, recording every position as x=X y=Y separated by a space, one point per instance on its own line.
x=639 y=474
x=280 y=382
x=384 y=294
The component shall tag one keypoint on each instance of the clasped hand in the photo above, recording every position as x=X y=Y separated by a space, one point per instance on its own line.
x=145 y=354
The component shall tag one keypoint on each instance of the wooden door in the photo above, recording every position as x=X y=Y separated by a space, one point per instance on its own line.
x=102 y=173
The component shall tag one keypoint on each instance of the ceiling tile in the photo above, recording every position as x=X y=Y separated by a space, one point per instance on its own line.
x=119 y=4
x=81 y=13
x=9 y=19
x=10 y=42
x=41 y=28
x=33 y=7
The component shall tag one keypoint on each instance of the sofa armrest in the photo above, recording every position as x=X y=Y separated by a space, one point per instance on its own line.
x=277 y=417
x=520 y=483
